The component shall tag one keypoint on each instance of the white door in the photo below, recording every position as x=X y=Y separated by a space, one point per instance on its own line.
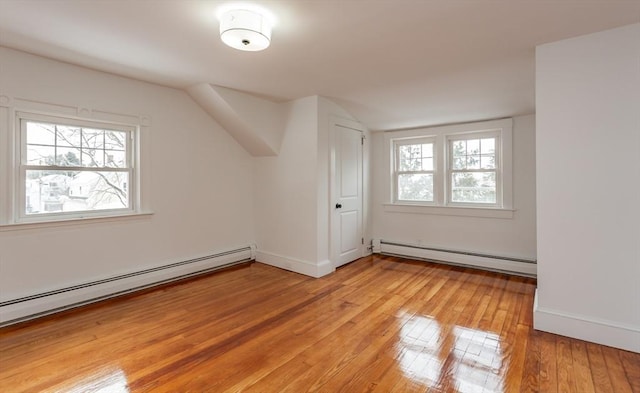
x=347 y=243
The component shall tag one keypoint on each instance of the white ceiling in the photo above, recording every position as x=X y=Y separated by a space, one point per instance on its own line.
x=391 y=63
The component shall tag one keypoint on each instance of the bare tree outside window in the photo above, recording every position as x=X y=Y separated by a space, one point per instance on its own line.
x=72 y=168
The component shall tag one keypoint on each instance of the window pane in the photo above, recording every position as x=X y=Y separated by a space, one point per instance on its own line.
x=473 y=154
x=427 y=156
x=459 y=152
x=68 y=136
x=92 y=158
x=40 y=155
x=115 y=140
x=488 y=146
x=67 y=191
x=68 y=156
x=92 y=139
x=41 y=134
x=473 y=187
x=459 y=162
x=417 y=157
x=427 y=164
x=115 y=159
x=407 y=161
x=459 y=148
x=473 y=162
x=427 y=150
x=415 y=187
x=473 y=146
x=45 y=191
x=488 y=162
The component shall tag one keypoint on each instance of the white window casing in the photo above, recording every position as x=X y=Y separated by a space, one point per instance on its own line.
x=104 y=178
x=478 y=162
x=52 y=174
x=459 y=187
x=421 y=167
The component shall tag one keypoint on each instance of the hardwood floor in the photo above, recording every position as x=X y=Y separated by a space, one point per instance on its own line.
x=380 y=324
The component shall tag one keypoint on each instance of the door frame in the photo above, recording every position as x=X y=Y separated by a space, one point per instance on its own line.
x=334 y=124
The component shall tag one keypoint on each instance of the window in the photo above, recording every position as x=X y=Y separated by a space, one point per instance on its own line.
x=415 y=163
x=472 y=165
x=72 y=168
x=457 y=166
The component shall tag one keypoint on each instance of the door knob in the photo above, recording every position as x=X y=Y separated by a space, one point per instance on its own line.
x=338 y=206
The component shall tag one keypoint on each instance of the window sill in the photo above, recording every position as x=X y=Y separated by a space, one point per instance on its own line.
x=19 y=226
x=483 y=212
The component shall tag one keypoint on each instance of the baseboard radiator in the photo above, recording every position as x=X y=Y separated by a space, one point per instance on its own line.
x=503 y=264
x=49 y=302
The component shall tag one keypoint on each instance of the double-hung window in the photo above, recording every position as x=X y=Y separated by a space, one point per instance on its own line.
x=473 y=169
x=71 y=168
x=456 y=166
x=415 y=167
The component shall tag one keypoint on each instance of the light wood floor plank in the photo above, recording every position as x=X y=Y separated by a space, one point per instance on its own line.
x=548 y=363
x=566 y=372
x=616 y=370
x=598 y=367
x=380 y=324
x=631 y=364
x=584 y=380
x=531 y=373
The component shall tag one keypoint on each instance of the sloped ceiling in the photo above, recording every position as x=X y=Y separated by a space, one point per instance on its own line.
x=391 y=63
x=256 y=123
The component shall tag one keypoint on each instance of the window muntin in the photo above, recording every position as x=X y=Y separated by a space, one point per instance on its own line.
x=479 y=177
x=415 y=167
x=473 y=163
x=70 y=168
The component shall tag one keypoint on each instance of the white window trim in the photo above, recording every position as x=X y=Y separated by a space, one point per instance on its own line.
x=396 y=164
x=20 y=215
x=10 y=134
x=449 y=138
x=442 y=134
x=464 y=211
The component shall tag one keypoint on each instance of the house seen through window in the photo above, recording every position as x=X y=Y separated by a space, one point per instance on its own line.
x=69 y=166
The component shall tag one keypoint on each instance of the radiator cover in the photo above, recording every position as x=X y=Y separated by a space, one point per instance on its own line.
x=504 y=264
x=44 y=303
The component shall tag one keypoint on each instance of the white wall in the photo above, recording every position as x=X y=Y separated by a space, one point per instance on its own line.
x=292 y=199
x=285 y=199
x=200 y=183
x=509 y=237
x=588 y=175
x=256 y=123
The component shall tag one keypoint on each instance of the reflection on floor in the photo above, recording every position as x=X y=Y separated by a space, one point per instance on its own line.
x=428 y=354
x=380 y=324
x=108 y=380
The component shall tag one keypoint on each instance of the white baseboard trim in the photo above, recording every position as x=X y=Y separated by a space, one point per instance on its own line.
x=40 y=304
x=295 y=265
x=494 y=263
x=585 y=328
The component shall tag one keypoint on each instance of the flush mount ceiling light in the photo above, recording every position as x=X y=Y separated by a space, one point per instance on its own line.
x=246 y=30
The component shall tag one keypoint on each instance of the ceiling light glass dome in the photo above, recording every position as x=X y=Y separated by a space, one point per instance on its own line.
x=245 y=30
